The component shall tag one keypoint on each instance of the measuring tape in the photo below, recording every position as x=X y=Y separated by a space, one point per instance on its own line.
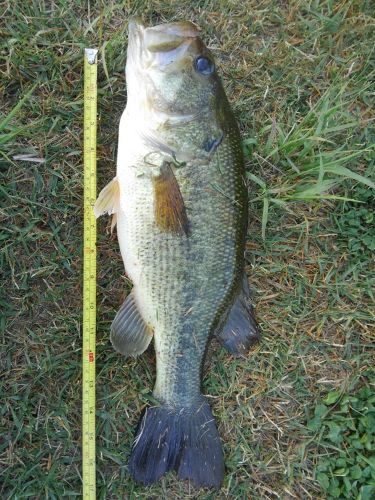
x=89 y=276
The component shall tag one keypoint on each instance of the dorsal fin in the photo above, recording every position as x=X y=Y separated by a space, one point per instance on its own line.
x=240 y=329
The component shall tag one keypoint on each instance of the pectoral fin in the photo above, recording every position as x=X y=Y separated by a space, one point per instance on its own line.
x=109 y=199
x=240 y=329
x=130 y=335
x=169 y=206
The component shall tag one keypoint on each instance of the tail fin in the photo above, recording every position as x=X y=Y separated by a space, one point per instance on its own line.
x=185 y=440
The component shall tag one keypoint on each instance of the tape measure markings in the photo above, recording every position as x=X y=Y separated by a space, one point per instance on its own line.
x=89 y=277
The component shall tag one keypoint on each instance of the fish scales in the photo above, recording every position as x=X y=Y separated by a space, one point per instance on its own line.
x=180 y=202
x=177 y=272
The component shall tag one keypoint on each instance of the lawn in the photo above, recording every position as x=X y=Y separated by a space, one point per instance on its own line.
x=297 y=415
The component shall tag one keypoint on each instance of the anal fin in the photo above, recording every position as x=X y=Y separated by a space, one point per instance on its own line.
x=240 y=329
x=130 y=335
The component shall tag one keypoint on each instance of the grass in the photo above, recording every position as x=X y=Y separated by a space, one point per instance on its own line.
x=344 y=426
x=300 y=78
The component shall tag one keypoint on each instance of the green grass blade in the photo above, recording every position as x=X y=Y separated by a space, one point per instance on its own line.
x=17 y=107
x=349 y=174
x=265 y=217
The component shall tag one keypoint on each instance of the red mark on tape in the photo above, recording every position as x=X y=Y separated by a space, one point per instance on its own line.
x=91 y=357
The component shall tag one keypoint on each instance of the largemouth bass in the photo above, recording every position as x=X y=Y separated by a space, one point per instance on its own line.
x=180 y=203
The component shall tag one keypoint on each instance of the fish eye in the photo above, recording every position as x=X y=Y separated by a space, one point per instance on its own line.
x=204 y=65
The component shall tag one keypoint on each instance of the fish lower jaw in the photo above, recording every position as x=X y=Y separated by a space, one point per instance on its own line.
x=142 y=114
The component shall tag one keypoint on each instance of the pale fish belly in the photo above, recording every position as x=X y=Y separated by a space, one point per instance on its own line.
x=183 y=283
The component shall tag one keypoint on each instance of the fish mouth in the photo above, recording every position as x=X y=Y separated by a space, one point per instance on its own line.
x=159 y=57
x=160 y=44
x=167 y=37
x=162 y=36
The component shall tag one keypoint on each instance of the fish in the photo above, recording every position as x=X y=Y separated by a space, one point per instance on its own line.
x=180 y=202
